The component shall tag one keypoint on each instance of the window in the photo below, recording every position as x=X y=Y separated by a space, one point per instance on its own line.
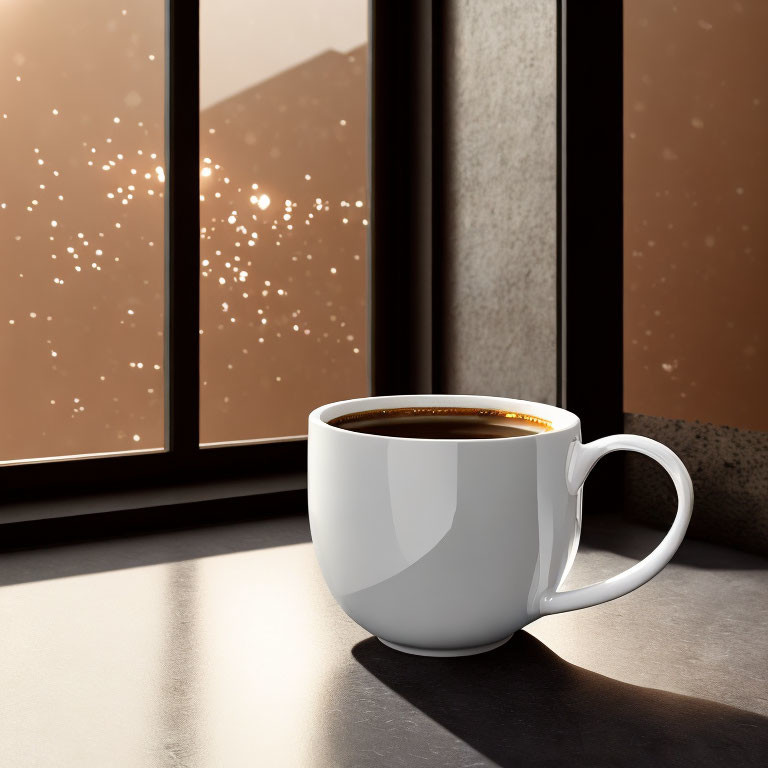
x=82 y=228
x=695 y=241
x=284 y=213
x=320 y=149
x=663 y=251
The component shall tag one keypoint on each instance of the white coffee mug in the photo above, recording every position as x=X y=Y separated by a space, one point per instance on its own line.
x=447 y=547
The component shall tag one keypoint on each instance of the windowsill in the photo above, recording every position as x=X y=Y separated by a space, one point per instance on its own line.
x=147 y=498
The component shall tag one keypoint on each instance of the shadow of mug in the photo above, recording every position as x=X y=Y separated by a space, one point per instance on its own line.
x=523 y=705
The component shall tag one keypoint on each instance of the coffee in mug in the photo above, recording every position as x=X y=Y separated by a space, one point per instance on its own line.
x=443 y=423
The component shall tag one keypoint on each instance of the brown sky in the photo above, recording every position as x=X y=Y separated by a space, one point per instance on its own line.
x=243 y=42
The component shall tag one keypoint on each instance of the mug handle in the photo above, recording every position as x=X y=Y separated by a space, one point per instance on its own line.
x=581 y=459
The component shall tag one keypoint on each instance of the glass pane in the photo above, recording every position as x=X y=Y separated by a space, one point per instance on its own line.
x=284 y=213
x=696 y=231
x=81 y=227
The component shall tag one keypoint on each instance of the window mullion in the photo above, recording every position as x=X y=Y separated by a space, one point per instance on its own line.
x=182 y=284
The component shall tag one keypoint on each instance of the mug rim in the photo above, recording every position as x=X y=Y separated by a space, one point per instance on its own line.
x=561 y=419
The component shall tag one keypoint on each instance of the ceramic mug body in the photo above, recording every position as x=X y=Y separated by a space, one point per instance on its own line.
x=444 y=547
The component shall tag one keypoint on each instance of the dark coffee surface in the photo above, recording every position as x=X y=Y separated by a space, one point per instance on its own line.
x=443 y=423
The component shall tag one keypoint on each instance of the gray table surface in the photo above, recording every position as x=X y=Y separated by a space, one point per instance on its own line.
x=221 y=646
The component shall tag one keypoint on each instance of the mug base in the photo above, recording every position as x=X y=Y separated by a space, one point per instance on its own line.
x=444 y=652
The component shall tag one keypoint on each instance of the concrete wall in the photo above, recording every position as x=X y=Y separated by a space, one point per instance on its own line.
x=501 y=255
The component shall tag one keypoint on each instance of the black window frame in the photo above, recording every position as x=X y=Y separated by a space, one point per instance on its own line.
x=402 y=79
x=590 y=215
x=591 y=233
